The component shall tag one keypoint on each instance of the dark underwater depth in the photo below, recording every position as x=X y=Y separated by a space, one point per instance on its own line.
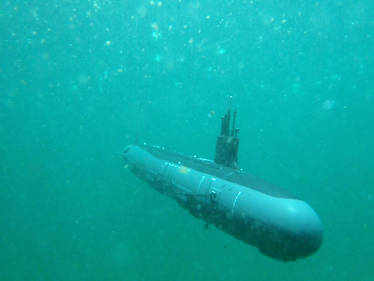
x=80 y=80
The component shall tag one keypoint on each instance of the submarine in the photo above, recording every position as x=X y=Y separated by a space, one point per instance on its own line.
x=261 y=214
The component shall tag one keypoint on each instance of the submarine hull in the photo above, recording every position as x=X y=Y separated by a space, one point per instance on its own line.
x=280 y=225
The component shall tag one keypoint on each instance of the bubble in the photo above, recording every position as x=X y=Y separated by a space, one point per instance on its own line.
x=328 y=104
x=221 y=51
x=156 y=35
x=211 y=114
x=155 y=26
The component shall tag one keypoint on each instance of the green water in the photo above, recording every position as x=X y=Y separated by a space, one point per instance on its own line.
x=79 y=80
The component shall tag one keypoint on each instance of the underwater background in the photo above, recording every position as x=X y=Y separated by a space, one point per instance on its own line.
x=80 y=80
